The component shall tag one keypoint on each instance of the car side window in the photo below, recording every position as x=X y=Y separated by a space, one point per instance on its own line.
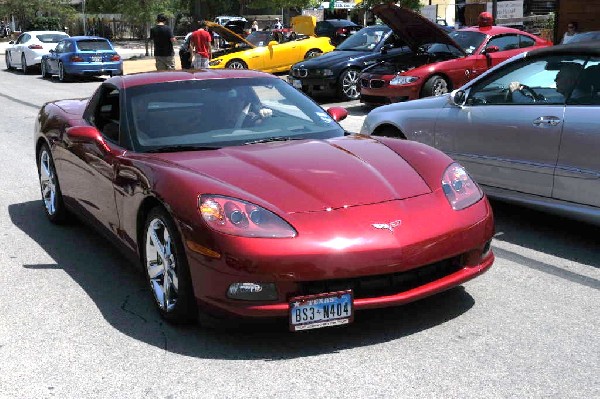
x=60 y=47
x=531 y=81
x=107 y=114
x=587 y=88
x=525 y=41
x=505 y=42
x=69 y=48
x=22 y=39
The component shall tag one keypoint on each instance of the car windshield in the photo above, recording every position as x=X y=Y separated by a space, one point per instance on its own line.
x=365 y=39
x=260 y=38
x=223 y=112
x=93 y=45
x=468 y=40
x=51 y=37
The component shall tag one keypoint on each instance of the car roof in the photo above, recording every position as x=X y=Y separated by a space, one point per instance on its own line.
x=339 y=22
x=589 y=48
x=149 y=78
x=45 y=32
x=493 y=30
x=88 y=38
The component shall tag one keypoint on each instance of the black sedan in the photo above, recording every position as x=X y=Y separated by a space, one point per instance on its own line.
x=337 y=72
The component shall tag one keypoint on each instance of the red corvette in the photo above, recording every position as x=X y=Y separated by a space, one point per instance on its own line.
x=439 y=62
x=241 y=197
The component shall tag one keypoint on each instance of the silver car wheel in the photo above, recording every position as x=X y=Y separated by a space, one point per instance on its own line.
x=313 y=54
x=24 y=66
x=44 y=69
x=440 y=87
x=7 y=60
x=350 y=84
x=236 y=65
x=48 y=182
x=161 y=265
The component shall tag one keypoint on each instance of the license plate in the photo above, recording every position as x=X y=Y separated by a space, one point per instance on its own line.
x=297 y=83
x=96 y=58
x=321 y=310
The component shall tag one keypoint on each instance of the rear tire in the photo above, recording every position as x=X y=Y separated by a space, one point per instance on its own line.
x=312 y=53
x=435 y=86
x=24 y=65
x=44 y=67
x=166 y=268
x=63 y=76
x=236 y=64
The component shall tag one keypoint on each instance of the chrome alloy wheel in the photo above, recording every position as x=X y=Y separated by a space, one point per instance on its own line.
x=61 y=72
x=161 y=265
x=48 y=182
x=236 y=65
x=440 y=87
x=350 y=84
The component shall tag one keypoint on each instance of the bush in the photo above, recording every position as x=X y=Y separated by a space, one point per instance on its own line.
x=46 y=23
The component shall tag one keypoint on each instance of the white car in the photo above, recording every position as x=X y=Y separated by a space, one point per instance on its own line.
x=27 y=51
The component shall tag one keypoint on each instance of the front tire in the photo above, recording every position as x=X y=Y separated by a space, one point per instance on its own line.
x=435 y=86
x=7 y=61
x=167 y=270
x=348 y=85
x=52 y=198
x=236 y=64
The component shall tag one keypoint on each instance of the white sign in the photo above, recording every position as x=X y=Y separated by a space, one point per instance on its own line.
x=430 y=12
x=508 y=9
x=340 y=5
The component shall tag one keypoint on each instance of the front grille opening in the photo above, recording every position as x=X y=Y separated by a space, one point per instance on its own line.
x=385 y=284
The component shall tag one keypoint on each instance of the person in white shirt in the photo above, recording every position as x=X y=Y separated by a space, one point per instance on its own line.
x=277 y=24
x=570 y=33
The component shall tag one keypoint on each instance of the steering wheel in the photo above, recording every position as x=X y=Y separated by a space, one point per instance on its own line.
x=527 y=92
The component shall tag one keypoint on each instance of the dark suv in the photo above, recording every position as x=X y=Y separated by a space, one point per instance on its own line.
x=337 y=30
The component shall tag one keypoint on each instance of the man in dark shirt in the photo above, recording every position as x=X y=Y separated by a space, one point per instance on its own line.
x=163 y=38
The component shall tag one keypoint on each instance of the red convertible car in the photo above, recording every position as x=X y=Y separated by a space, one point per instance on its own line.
x=242 y=198
x=439 y=62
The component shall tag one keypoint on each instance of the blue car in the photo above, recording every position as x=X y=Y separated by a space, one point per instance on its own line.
x=82 y=56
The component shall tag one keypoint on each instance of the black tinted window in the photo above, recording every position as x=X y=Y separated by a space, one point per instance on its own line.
x=50 y=37
x=92 y=45
x=525 y=41
x=505 y=43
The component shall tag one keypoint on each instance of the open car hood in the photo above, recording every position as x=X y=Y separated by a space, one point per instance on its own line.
x=413 y=28
x=227 y=34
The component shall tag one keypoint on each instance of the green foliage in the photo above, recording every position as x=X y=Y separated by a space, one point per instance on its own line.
x=278 y=4
x=28 y=12
x=46 y=23
x=412 y=4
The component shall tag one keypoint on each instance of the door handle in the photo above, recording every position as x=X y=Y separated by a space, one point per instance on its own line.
x=546 y=121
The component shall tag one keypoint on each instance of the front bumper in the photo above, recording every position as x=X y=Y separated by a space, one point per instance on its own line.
x=315 y=85
x=95 y=69
x=384 y=269
x=376 y=90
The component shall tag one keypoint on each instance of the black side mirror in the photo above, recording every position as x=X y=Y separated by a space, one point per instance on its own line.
x=386 y=47
x=458 y=98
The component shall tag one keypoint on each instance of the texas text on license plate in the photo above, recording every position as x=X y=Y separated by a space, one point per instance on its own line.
x=321 y=310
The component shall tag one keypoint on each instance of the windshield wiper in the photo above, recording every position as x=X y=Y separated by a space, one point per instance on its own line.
x=271 y=139
x=177 y=148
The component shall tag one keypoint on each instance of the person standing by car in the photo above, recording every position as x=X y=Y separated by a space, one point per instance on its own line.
x=570 y=33
x=254 y=27
x=277 y=24
x=163 y=39
x=200 y=47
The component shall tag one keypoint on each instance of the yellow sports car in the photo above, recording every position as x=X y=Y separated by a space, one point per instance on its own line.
x=266 y=51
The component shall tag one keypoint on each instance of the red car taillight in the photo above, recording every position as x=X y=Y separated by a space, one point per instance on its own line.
x=76 y=58
x=341 y=31
x=35 y=47
x=115 y=57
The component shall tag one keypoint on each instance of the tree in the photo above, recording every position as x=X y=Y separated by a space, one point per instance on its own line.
x=26 y=11
x=278 y=4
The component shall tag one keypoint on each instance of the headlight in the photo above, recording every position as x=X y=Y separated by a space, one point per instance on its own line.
x=461 y=191
x=403 y=80
x=215 y=62
x=240 y=218
x=325 y=72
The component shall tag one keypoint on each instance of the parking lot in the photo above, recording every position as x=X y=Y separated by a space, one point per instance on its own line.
x=76 y=319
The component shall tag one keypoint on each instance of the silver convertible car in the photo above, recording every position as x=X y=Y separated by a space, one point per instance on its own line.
x=528 y=130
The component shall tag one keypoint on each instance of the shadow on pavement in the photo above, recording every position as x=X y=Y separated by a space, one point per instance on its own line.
x=119 y=292
x=544 y=232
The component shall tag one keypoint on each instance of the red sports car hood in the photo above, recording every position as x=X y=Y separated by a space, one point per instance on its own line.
x=308 y=175
x=413 y=28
